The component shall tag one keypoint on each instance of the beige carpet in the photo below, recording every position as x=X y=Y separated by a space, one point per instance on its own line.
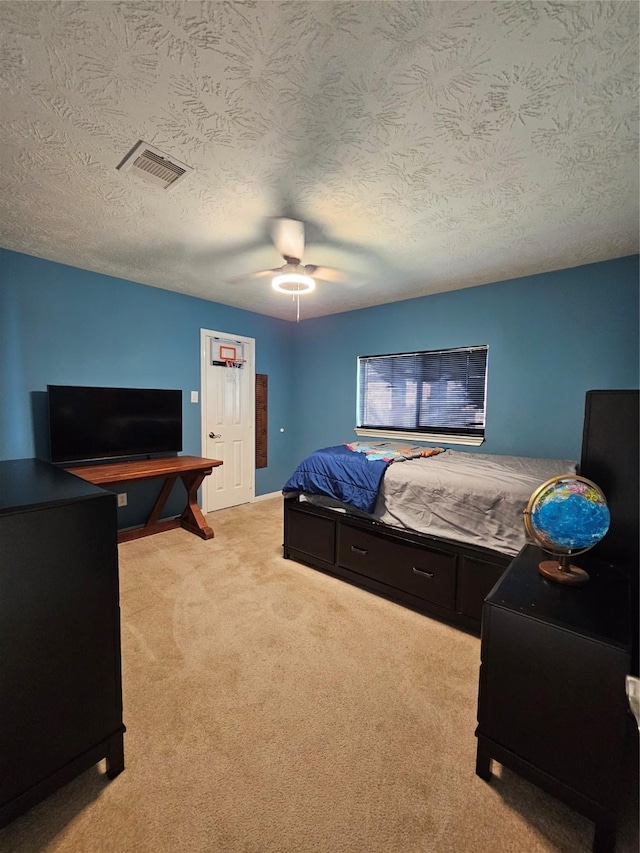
x=271 y=708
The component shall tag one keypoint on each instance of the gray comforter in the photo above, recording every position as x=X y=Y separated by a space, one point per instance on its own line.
x=475 y=498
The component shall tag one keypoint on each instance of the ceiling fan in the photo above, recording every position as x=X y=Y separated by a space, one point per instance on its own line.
x=293 y=277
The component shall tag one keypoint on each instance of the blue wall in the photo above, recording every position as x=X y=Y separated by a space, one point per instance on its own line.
x=62 y=325
x=551 y=338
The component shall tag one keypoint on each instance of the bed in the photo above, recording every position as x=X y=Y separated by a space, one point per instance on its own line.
x=433 y=533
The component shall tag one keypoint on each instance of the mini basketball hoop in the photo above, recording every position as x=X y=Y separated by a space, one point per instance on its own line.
x=227 y=355
x=234 y=362
x=227 y=352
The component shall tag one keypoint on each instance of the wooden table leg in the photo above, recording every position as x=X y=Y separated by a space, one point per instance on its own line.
x=161 y=500
x=192 y=518
x=153 y=525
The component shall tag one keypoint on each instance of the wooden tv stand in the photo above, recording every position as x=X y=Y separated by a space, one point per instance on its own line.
x=191 y=469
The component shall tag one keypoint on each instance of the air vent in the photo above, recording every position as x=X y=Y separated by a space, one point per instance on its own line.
x=154 y=166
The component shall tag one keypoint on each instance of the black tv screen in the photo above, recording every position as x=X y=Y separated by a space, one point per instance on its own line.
x=105 y=423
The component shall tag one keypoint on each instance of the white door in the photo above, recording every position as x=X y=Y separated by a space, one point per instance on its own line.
x=228 y=418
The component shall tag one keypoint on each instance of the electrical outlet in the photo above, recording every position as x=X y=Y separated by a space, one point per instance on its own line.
x=122 y=499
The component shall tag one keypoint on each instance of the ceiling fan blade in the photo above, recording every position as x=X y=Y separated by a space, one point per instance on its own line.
x=326 y=273
x=254 y=276
x=288 y=237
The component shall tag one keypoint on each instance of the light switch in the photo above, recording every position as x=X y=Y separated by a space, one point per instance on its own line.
x=194 y=396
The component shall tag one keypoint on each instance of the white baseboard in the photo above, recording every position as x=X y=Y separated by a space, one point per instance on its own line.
x=268 y=496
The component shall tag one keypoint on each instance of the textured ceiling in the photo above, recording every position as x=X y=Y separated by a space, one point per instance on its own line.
x=427 y=146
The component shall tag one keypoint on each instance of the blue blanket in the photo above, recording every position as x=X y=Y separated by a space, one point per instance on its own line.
x=340 y=473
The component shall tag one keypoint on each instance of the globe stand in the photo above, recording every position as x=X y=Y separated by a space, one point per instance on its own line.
x=562 y=571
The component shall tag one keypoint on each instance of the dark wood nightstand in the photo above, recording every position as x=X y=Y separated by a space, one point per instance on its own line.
x=552 y=705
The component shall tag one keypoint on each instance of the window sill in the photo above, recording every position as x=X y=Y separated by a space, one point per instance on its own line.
x=431 y=438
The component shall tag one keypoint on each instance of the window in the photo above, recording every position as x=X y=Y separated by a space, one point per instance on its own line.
x=438 y=395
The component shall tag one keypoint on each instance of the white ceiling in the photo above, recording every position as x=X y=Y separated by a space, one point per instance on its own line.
x=428 y=146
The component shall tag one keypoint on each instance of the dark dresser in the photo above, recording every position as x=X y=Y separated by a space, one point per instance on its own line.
x=60 y=673
x=552 y=704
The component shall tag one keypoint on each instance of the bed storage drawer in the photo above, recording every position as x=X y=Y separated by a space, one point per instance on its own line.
x=427 y=573
x=312 y=535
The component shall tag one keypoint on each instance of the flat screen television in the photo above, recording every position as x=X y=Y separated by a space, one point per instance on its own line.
x=90 y=424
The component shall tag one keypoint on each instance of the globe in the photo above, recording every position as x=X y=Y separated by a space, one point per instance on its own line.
x=567 y=515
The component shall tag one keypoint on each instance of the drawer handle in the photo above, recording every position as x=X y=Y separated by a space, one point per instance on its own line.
x=359 y=550
x=422 y=572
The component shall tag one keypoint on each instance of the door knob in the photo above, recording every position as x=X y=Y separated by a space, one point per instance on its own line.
x=214 y=435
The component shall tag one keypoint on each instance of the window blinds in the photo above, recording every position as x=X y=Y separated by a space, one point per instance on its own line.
x=441 y=391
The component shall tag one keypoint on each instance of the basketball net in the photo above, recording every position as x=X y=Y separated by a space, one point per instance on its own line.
x=234 y=366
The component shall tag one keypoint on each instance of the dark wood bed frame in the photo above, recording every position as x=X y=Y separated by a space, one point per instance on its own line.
x=447 y=579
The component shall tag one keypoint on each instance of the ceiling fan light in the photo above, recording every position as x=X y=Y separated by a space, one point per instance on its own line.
x=293 y=282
